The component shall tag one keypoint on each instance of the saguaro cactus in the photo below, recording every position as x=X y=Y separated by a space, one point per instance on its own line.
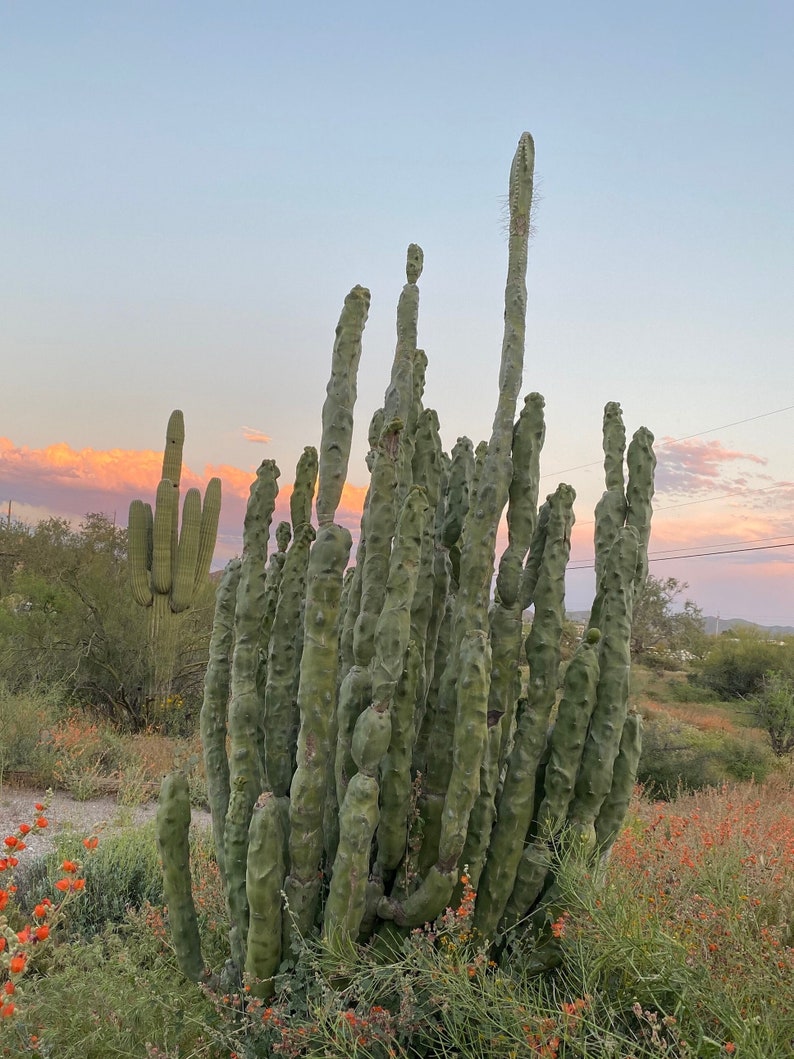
x=168 y=563
x=407 y=715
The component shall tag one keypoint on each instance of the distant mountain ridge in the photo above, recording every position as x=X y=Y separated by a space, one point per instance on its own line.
x=713 y=625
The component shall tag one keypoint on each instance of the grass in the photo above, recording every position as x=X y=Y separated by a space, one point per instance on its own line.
x=683 y=949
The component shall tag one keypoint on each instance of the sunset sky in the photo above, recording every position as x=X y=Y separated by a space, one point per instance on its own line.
x=190 y=189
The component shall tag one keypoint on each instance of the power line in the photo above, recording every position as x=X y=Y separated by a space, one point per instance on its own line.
x=693 y=555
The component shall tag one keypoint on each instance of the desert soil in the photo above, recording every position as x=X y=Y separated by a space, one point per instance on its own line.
x=97 y=816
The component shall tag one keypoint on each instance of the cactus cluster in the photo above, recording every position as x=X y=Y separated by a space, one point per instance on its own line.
x=368 y=731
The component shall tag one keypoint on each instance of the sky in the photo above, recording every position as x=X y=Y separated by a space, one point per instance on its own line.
x=190 y=190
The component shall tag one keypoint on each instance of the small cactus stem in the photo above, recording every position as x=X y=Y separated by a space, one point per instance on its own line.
x=174 y=446
x=235 y=853
x=468 y=748
x=506 y=628
x=516 y=801
x=208 y=532
x=280 y=717
x=614 y=440
x=186 y=553
x=245 y=706
x=535 y=557
x=337 y=414
x=393 y=627
x=594 y=778
x=483 y=812
x=459 y=479
x=395 y=770
x=566 y=742
x=212 y=719
x=624 y=774
x=302 y=496
x=264 y=882
x=351 y=611
x=163 y=549
x=283 y=537
x=610 y=516
x=173 y=840
x=316 y=704
x=531 y=875
x=172 y=466
x=427 y=709
x=355 y=694
x=273 y=576
x=641 y=462
x=528 y=436
x=423 y=904
x=379 y=528
x=139 y=536
x=346 y=903
x=400 y=391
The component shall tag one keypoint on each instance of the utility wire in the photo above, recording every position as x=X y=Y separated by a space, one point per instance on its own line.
x=691 y=555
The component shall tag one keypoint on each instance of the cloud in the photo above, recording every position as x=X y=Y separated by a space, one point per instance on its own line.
x=61 y=481
x=252 y=434
x=694 y=466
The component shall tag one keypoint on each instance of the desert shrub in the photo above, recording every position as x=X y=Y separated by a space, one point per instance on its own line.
x=773 y=708
x=680 y=757
x=735 y=666
x=122 y=873
x=686 y=691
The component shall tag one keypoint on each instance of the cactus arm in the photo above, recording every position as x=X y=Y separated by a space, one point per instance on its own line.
x=264 y=882
x=300 y=501
x=528 y=436
x=208 y=532
x=139 y=552
x=245 y=769
x=641 y=462
x=624 y=773
x=162 y=552
x=516 y=802
x=337 y=415
x=316 y=702
x=186 y=553
x=173 y=827
x=395 y=773
x=212 y=718
x=347 y=895
x=280 y=715
x=468 y=749
x=380 y=524
x=603 y=740
x=614 y=441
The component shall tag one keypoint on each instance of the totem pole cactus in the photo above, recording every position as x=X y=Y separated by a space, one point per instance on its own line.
x=393 y=692
x=169 y=563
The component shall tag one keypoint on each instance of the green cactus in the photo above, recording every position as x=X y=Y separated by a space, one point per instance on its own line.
x=378 y=735
x=169 y=564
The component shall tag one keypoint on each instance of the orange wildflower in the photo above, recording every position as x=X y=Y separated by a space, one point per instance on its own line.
x=17 y=963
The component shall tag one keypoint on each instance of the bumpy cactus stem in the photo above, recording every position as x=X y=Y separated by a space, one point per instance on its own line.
x=173 y=825
x=380 y=719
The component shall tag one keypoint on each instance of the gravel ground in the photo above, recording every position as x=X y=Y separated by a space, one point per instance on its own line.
x=97 y=816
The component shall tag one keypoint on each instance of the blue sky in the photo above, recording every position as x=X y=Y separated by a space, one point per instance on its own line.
x=190 y=190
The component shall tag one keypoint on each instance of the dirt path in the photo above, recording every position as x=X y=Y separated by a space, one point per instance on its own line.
x=97 y=816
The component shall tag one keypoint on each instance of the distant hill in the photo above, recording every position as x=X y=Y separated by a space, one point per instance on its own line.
x=713 y=625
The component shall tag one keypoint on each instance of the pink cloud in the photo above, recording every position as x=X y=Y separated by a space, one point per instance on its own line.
x=693 y=466
x=252 y=434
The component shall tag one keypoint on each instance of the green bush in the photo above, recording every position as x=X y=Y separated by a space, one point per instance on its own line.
x=679 y=757
x=735 y=666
